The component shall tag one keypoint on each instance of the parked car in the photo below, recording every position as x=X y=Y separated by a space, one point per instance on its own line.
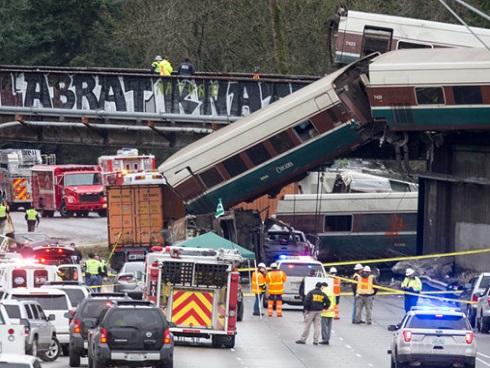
x=471 y=291
x=40 y=333
x=130 y=279
x=433 y=336
x=482 y=314
x=12 y=334
x=18 y=361
x=133 y=333
x=76 y=291
x=87 y=311
x=52 y=301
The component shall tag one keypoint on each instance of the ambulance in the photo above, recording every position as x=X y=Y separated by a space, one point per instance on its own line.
x=197 y=289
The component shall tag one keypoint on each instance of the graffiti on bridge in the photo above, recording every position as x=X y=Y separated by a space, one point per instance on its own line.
x=111 y=93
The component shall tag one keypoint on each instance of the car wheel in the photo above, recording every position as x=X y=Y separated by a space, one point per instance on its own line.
x=74 y=358
x=478 y=324
x=485 y=324
x=239 y=317
x=64 y=212
x=102 y=213
x=65 y=348
x=472 y=317
x=53 y=351
x=33 y=350
x=166 y=364
x=98 y=364
x=470 y=365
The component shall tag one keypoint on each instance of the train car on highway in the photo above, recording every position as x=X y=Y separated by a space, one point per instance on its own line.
x=355 y=226
x=274 y=146
x=440 y=89
x=354 y=34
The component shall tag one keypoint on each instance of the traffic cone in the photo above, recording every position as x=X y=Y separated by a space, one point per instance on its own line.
x=336 y=310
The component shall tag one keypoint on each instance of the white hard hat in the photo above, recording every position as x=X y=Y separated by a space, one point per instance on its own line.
x=409 y=272
x=274 y=265
x=366 y=269
x=358 y=267
x=158 y=58
x=333 y=270
x=262 y=265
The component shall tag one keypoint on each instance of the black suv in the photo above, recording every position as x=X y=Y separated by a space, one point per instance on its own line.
x=84 y=318
x=131 y=333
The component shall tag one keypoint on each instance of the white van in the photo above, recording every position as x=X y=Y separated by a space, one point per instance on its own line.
x=12 y=339
x=53 y=301
x=296 y=269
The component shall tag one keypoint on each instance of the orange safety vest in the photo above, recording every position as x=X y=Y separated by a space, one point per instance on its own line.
x=258 y=281
x=365 y=285
x=336 y=286
x=276 y=279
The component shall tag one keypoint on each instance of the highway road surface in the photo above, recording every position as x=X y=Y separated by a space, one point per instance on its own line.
x=80 y=230
x=270 y=342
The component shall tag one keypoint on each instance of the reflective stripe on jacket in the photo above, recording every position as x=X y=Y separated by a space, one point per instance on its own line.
x=31 y=214
x=365 y=285
x=412 y=283
x=275 y=279
x=258 y=282
x=336 y=286
x=330 y=312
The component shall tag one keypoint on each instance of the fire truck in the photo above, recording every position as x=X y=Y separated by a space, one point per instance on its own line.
x=197 y=289
x=69 y=189
x=15 y=175
x=126 y=161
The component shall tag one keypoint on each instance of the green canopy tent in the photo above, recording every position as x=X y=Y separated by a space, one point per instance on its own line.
x=211 y=240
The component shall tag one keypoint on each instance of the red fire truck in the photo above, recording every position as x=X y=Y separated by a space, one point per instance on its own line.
x=69 y=189
x=15 y=175
x=197 y=289
x=126 y=161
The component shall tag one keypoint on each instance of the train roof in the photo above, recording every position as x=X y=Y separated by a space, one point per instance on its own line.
x=338 y=203
x=237 y=132
x=427 y=66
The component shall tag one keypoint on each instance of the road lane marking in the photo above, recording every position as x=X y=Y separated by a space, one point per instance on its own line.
x=348 y=346
x=358 y=355
x=370 y=365
x=341 y=338
x=483 y=362
x=484 y=355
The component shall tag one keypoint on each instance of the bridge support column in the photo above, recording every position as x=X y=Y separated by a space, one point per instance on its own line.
x=454 y=204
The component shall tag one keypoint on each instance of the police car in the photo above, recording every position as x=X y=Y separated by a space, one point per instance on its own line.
x=433 y=336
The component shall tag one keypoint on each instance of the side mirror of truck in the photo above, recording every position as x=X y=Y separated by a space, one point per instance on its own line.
x=392 y=328
x=51 y=317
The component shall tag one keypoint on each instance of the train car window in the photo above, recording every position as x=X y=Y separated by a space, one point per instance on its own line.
x=305 y=130
x=465 y=95
x=211 y=177
x=258 y=154
x=338 y=223
x=429 y=95
x=281 y=142
x=412 y=45
x=385 y=222
x=376 y=39
x=234 y=165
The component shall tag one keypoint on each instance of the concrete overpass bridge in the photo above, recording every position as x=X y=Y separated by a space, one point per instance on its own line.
x=117 y=107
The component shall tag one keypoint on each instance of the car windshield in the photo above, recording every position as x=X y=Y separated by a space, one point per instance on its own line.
x=143 y=318
x=75 y=295
x=48 y=302
x=13 y=311
x=93 y=308
x=300 y=269
x=133 y=267
x=485 y=282
x=438 y=322
x=82 y=179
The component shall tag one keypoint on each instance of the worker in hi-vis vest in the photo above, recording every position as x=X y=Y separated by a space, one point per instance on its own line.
x=32 y=218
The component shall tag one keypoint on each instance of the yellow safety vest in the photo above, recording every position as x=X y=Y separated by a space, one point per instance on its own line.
x=330 y=312
x=165 y=67
x=365 y=285
x=414 y=283
x=276 y=279
x=31 y=214
x=258 y=283
x=92 y=266
x=3 y=211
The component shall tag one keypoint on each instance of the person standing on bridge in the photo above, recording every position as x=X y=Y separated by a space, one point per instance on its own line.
x=275 y=280
x=186 y=68
x=357 y=274
x=161 y=66
x=365 y=292
x=32 y=218
x=4 y=213
x=258 y=286
x=315 y=302
x=411 y=284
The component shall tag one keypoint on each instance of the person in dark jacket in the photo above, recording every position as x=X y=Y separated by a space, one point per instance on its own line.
x=315 y=301
x=186 y=68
